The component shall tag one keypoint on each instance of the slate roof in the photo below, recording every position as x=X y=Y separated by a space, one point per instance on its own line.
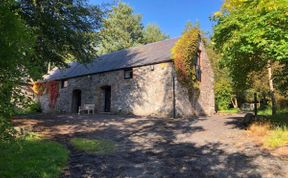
x=148 y=54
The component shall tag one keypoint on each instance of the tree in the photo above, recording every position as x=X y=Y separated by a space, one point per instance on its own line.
x=16 y=47
x=225 y=93
x=122 y=29
x=152 y=33
x=252 y=35
x=62 y=30
x=33 y=34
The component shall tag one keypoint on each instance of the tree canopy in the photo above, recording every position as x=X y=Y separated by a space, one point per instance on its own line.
x=34 y=33
x=121 y=29
x=61 y=29
x=251 y=35
x=152 y=33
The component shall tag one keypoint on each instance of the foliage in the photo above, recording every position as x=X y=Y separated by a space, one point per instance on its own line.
x=93 y=145
x=188 y=26
x=281 y=78
x=223 y=87
x=223 y=94
x=34 y=107
x=32 y=157
x=121 y=29
x=249 y=35
x=62 y=31
x=252 y=35
x=53 y=91
x=15 y=50
x=152 y=33
x=39 y=88
x=184 y=53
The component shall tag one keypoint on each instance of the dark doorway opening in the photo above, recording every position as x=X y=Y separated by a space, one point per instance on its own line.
x=76 y=100
x=107 y=98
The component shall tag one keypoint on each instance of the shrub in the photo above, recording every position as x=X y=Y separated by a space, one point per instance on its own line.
x=34 y=107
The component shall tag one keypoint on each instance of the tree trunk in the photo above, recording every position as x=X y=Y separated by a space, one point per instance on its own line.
x=234 y=102
x=271 y=87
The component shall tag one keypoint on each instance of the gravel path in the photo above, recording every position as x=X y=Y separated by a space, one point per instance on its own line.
x=152 y=147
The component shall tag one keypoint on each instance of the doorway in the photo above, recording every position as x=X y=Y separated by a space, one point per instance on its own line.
x=107 y=98
x=76 y=100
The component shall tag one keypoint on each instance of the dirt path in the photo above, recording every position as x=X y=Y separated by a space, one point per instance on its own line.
x=150 y=147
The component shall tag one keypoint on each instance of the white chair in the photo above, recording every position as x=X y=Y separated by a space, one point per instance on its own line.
x=87 y=107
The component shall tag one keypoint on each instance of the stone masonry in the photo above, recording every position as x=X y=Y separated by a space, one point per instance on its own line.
x=149 y=92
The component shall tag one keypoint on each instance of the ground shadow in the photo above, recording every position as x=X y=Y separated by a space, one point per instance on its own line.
x=146 y=147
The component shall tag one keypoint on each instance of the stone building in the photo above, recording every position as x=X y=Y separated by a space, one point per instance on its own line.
x=138 y=81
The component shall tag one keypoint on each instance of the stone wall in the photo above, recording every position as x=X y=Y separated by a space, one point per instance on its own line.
x=202 y=103
x=149 y=92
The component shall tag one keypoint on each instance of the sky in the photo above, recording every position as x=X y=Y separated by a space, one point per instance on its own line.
x=172 y=15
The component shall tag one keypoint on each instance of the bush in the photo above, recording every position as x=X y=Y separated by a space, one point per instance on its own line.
x=223 y=94
x=34 y=107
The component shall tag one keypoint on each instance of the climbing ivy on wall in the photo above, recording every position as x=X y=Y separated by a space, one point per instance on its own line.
x=38 y=88
x=184 y=53
x=52 y=88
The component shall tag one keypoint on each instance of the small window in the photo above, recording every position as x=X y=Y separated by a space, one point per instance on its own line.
x=128 y=73
x=64 y=83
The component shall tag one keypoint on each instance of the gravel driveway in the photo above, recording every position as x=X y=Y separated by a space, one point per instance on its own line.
x=153 y=147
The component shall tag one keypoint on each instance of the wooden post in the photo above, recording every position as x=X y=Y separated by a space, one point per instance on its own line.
x=255 y=104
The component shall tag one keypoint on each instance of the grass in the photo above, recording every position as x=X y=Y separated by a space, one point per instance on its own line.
x=274 y=130
x=32 y=156
x=276 y=138
x=98 y=146
x=260 y=128
x=230 y=111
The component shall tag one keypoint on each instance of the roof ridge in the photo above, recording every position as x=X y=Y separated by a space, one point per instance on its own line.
x=134 y=47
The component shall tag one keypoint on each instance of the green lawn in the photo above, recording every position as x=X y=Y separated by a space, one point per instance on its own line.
x=278 y=136
x=230 y=111
x=98 y=146
x=32 y=157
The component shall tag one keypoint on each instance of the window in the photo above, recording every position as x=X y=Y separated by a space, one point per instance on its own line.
x=64 y=83
x=128 y=73
x=198 y=66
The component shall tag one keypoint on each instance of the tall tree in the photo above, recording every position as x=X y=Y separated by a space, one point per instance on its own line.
x=62 y=30
x=252 y=35
x=152 y=33
x=16 y=47
x=34 y=33
x=122 y=29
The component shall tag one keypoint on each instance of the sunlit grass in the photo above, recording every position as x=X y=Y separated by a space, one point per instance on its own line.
x=32 y=156
x=98 y=146
x=273 y=130
x=276 y=138
x=230 y=111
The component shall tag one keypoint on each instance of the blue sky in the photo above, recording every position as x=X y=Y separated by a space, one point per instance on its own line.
x=172 y=15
